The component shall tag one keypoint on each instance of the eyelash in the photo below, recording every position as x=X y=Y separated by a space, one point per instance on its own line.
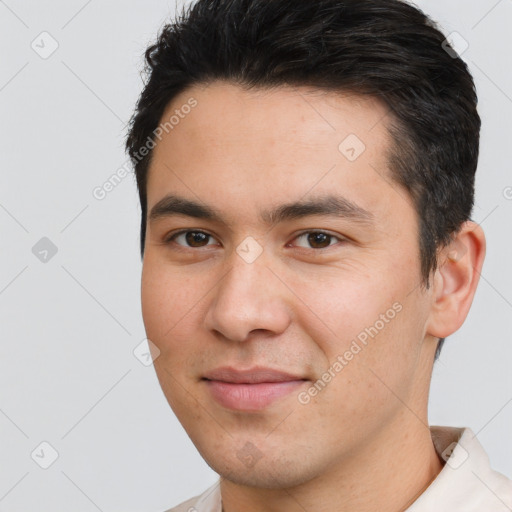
x=173 y=236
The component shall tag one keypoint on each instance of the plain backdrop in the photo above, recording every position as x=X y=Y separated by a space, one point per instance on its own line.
x=72 y=372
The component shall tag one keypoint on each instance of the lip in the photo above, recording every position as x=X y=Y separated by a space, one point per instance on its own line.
x=250 y=390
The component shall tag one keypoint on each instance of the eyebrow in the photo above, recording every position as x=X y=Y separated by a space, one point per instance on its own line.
x=332 y=205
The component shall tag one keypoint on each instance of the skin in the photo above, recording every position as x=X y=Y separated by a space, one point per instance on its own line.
x=361 y=443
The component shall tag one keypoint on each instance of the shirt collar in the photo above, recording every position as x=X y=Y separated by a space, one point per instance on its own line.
x=466 y=482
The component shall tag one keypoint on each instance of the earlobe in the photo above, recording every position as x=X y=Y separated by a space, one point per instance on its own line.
x=456 y=280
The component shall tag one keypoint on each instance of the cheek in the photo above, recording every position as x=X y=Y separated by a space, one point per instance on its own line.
x=344 y=304
x=369 y=319
x=170 y=308
x=169 y=301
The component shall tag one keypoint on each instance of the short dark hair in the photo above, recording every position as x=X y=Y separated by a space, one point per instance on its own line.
x=388 y=49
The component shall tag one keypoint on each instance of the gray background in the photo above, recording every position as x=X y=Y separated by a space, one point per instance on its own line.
x=69 y=325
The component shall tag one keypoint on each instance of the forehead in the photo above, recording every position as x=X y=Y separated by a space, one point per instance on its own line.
x=278 y=113
x=252 y=148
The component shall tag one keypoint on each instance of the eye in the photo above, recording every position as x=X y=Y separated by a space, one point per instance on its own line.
x=316 y=240
x=192 y=239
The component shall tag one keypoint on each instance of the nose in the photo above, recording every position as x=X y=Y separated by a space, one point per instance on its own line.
x=248 y=299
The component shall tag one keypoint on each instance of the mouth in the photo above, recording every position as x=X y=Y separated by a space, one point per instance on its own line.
x=250 y=390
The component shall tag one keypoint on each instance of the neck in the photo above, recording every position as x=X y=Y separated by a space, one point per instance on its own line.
x=387 y=475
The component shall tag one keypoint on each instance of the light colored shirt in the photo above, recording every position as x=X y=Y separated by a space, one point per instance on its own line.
x=465 y=484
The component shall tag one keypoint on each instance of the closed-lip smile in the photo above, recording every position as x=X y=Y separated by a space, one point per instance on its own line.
x=252 y=389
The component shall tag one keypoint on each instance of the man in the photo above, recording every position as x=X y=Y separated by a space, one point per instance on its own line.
x=306 y=177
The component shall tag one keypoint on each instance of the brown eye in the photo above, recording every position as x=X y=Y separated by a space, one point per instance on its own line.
x=196 y=238
x=319 y=240
x=193 y=239
x=316 y=240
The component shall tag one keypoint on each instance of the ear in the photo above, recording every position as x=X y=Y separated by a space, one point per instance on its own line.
x=455 y=280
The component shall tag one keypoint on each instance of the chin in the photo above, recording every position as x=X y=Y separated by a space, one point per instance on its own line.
x=264 y=473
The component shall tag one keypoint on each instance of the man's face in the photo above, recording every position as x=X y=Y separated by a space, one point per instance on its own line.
x=279 y=243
